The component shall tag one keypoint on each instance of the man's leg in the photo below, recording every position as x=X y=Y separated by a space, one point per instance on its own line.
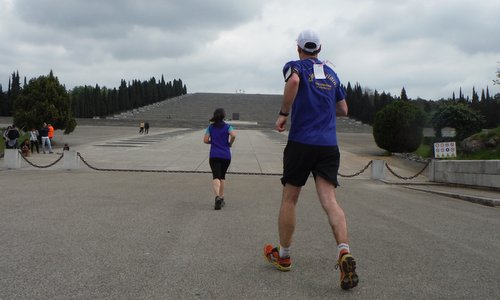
x=49 y=142
x=280 y=256
x=336 y=217
x=286 y=219
x=43 y=144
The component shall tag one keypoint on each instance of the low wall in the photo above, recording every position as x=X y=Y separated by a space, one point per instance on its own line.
x=484 y=173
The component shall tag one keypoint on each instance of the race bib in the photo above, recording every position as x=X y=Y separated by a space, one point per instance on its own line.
x=319 y=72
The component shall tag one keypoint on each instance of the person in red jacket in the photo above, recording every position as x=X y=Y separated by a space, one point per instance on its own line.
x=51 y=133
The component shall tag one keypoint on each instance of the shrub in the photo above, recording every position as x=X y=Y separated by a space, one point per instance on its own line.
x=465 y=120
x=398 y=127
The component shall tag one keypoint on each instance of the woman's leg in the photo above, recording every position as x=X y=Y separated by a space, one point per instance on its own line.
x=216 y=184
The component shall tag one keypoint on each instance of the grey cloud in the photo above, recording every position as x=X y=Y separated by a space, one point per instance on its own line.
x=83 y=16
x=131 y=29
x=469 y=27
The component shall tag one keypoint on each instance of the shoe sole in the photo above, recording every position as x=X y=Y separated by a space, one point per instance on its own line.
x=276 y=264
x=348 y=267
x=218 y=205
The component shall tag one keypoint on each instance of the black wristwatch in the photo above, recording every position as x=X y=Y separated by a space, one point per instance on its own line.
x=284 y=114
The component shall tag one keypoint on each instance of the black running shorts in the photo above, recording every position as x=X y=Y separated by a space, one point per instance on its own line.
x=299 y=160
x=219 y=167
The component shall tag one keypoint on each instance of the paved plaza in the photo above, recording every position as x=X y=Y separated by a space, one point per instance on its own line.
x=86 y=234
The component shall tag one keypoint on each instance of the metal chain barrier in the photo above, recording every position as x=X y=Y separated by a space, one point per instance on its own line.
x=410 y=177
x=209 y=172
x=38 y=166
x=172 y=171
x=357 y=173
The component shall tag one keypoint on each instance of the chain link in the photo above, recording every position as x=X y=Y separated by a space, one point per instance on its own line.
x=209 y=172
x=357 y=173
x=38 y=166
x=410 y=177
x=173 y=171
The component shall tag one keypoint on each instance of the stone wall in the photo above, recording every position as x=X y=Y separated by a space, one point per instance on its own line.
x=484 y=173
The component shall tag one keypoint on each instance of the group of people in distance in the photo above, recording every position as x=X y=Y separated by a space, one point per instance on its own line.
x=42 y=136
x=144 y=128
x=313 y=97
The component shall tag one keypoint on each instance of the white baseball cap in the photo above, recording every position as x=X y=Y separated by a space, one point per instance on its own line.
x=309 y=41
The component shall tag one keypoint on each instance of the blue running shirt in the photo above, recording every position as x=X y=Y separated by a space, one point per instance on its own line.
x=313 y=119
x=219 y=137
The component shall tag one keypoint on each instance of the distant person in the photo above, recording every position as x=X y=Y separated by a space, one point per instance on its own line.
x=141 y=128
x=146 y=127
x=66 y=147
x=34 y=140
x=4 y=135
x=25 y=148
x=12 y=136
x=51 y=134
x=221 y=137
x=44 y=135
x=314 y=96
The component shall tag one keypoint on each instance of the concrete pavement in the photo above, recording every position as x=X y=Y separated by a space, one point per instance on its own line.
x=85 y=234
x=256 y=151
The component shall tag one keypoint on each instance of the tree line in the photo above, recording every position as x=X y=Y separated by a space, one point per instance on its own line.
x=88 y=101
x=95 y=101
x=365 y=103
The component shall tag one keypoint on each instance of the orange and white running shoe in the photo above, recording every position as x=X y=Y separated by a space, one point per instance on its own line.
x=348 y=276
x=272 y=255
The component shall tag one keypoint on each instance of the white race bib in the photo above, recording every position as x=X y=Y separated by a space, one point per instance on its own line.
x=319 y=72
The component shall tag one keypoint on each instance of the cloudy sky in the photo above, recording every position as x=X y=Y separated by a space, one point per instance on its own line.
x=431 y=48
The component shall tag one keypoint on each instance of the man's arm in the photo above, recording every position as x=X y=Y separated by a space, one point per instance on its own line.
x=291 y=88
x=341 y=110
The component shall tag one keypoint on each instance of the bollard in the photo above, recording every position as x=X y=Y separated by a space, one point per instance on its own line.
x=12 y=159
x=378 y=169
x=432 y=166
x=70 y=160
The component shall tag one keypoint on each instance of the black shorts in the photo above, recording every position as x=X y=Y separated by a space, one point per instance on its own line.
x=299 y=160
x=219 y=167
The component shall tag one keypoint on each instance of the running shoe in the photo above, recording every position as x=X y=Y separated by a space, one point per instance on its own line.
x=272 y=255
x=218 y=203
x=348 y=276
x=222 y=203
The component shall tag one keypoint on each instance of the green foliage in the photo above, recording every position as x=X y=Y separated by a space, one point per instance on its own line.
x=497 y=81
x=44 y=99
x=398 y=127
x=7 y=99
x=490 y=149
x=424 y=150
x=3 y=100
x=482 y=154
x=404 y=97
x=88 y=101
x=465 y=120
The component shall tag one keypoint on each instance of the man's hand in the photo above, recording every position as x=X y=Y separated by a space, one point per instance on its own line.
x=281 y=123
x=291 y=89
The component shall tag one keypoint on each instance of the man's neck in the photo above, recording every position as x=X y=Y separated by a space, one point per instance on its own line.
x=303 y=56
